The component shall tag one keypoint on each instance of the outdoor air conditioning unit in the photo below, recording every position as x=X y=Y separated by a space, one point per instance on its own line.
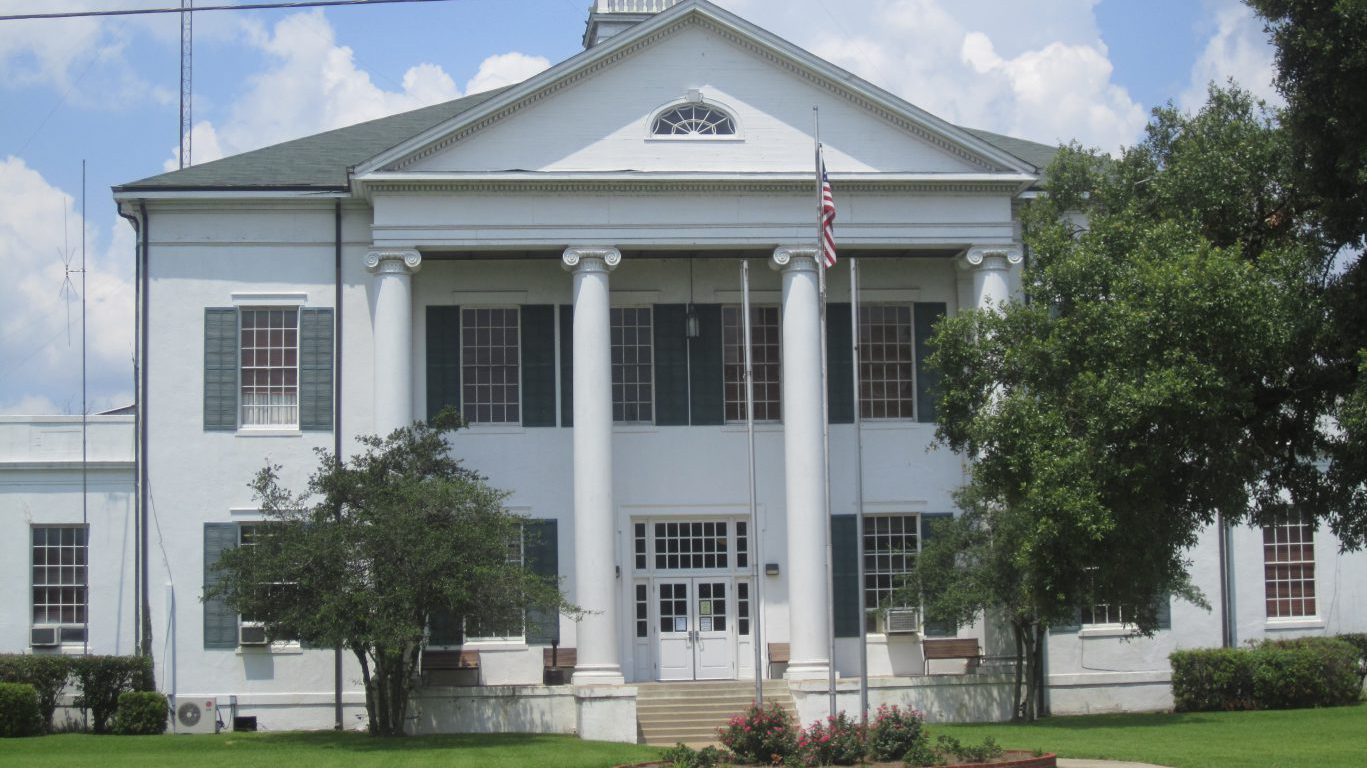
x=252 y=633
x=45 y=637
x=901 y=621
x=197 y=716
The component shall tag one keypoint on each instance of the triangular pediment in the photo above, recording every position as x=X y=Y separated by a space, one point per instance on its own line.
x=593 y=114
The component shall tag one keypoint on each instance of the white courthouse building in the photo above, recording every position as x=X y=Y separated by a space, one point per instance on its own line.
x=560 y=260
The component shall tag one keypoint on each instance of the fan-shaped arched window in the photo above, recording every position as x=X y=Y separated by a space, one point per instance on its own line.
x=693 y=120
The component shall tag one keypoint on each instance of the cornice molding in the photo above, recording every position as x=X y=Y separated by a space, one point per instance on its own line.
x=675 y=186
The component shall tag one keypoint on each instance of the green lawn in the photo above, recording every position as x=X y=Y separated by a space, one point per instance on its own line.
x=1324 y=738
x=309 y=749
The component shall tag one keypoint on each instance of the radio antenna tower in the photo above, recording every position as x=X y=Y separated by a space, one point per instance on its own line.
x=187 y=66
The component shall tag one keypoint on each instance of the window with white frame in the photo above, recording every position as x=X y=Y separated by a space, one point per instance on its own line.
x=765 y=344
x=693 y=119
x=1289 y=567
x=514 y=626
x=61 y=580
x=269 y=373
x=490 y=373
x=890 y=546
x=887 y=374
x=633 y=365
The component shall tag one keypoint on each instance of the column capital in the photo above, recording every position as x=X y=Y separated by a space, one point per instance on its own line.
x=798 y=258
x=389 y=261
x=590 y=259
x=991 y=257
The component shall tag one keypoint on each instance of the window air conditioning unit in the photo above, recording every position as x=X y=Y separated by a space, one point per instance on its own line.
x=901 y=621
x=45 y=637
x=252 y=633
x=197 y=716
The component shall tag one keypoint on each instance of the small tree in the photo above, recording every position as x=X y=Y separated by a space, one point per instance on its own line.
x=374 y=549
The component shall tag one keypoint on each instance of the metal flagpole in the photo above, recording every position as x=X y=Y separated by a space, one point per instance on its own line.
x=859 y=496
x=756 y=602
x=825 y=417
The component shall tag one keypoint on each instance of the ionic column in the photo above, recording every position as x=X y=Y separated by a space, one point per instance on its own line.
x=595 y=577
x=804 y=465
x=393 y=331
x=990 y=265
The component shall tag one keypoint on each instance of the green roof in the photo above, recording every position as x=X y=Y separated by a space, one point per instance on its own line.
x=322 y=161
x=318 y=162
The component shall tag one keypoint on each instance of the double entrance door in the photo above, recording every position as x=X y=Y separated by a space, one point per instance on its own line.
x=696 y=636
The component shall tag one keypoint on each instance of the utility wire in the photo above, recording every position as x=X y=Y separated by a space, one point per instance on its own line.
x=198 y=8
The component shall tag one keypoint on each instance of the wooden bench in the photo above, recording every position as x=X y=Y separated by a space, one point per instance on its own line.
x=449 y=667
x=952 y=648
x=779 y=653
x=558 y=665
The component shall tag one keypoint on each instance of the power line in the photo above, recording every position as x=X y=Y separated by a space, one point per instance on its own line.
x=178 y=9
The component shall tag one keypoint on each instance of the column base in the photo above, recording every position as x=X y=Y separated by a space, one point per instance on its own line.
x=598 y=674
x=606 y=713
x=818 y=669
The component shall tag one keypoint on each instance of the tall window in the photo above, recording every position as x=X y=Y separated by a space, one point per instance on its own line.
x=890 y=547
x=60 y=583
x=1289 y=567
x=633 y=390
x=511 y=627
x=887 y=388
x=490 y=353
x=270 y=367
x=765 y=345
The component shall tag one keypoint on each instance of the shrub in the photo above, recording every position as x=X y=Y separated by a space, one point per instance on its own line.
x=947 y=745
x=839 y=741
x=894 y=732
x=683 y=756
x=1212 y=679
x=1306 y=672
x=141 y=713
x=1275 y=674
x=103 y=679
x=762 y=735
x=19 y=714
x=1359 y=641
x=47 y=674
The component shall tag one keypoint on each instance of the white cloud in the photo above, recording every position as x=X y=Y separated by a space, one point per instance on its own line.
x=40 y=340
x=83 y=59
x=505 y=69
x=1038 y=71
x=204 y=147
x=1238 y=50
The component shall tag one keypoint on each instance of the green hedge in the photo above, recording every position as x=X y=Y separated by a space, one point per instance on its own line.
x=47 y=674
x=103 y=679
x=141 y=713
x=19 y=714
x=1274 y=674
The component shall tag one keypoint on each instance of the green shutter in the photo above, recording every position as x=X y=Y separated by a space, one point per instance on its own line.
x=538 y=365
x=542 y=548
x=220 y=368
x=566 y=365
x=845 y=593
x=443 y=358
x=924 y=317
x=933 y=627
x=1163 y=606
x=220 y=622
x=705 y=368
x=839 y=364
x=671 y=365
x=315 y=369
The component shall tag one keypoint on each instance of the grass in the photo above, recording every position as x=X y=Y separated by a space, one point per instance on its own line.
x=1325 y=738
x=322 y=748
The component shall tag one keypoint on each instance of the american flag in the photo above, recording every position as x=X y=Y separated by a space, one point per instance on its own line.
x=827 y=216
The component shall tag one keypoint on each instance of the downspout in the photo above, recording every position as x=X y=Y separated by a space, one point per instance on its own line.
x=144 y=286
x=139 y=553
x=1227 y=639
x=337 y=421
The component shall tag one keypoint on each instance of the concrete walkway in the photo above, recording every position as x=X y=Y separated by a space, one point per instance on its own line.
x=1071 y=763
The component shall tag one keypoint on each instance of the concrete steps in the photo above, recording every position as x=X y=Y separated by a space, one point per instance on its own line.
x=691 y=712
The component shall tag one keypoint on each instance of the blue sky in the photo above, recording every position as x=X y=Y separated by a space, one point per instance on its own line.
x=106 y=91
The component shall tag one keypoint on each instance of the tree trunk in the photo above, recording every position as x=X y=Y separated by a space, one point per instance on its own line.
x=1031 y=645
x=1040 y=637
x=369 y=683
x=1017 y=698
